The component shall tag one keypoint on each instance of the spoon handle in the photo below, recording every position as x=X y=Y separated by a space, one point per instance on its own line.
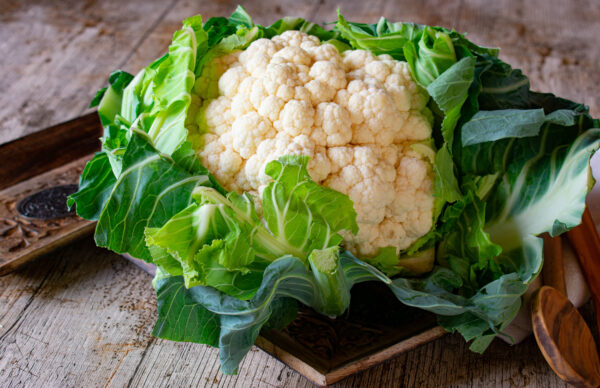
x=553 y=270
x=586 y=243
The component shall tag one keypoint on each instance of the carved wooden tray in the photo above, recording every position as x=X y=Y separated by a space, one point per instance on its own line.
x=376 y=327
x=46 y=159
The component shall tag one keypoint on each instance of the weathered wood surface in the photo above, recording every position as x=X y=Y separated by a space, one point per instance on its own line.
x=45 y=150
x=83 y=316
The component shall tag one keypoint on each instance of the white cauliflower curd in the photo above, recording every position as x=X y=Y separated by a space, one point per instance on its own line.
x=355 y=114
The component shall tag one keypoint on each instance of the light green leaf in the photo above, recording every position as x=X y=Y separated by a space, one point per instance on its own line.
x=149 y=191
x=211 y=247
x=381 y=38
x=241 y=17
x=173 y=83
x=109 y=99
x=431 y=56
x=302 y=213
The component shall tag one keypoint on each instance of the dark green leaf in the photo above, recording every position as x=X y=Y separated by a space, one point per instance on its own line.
x=181 y=317
x=95 y=186
x=109 y=100
x=284 y=311
x=97 y=97
x=450 y=91
x=446 y=185
x=493 y=125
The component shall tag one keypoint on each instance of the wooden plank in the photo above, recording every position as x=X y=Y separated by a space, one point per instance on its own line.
x=45 y=150
x=64 y=325
x=55 y=55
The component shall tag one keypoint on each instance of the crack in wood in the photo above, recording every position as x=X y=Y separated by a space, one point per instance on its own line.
x=27 y=304
x=137 y=367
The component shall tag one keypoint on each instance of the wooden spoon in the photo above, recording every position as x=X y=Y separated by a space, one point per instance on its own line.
x=586 y=243
x=565 y=339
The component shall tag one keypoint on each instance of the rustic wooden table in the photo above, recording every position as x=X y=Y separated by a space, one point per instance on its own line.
x=82 y=316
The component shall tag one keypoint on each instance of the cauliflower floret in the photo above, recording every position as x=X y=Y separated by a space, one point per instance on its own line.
x=335 y=122
x=378 y=69
x=354 y=114
x=221 y=160
x=296 y=38
x=368 y=182
x=279 y=74
x=258 y=55
x=270 y=108
x=375 y=117
x=215 y=116
x=325 y=52
x=231 y=80
x=319 y=91
x=248 y=131
x=357 y=59
x=294 y=54
x=296 y=117
x=329 y=73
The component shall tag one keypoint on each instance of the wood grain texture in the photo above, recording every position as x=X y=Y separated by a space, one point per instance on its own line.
x=42 y=151
x=573 y=357
x=56 y=54
x=553 y=271
x=586 y=242
x=82 y=316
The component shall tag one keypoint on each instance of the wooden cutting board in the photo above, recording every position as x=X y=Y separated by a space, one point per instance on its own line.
x=377 y=326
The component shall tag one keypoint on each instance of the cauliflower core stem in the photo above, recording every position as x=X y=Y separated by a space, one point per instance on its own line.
x=355 y=114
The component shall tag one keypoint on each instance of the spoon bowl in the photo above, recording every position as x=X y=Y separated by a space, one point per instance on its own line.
x=565 y=339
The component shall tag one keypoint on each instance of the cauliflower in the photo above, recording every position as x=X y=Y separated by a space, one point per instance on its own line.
x=354 y=114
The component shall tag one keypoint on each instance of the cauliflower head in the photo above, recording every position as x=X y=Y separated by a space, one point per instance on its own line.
x=356 y=115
